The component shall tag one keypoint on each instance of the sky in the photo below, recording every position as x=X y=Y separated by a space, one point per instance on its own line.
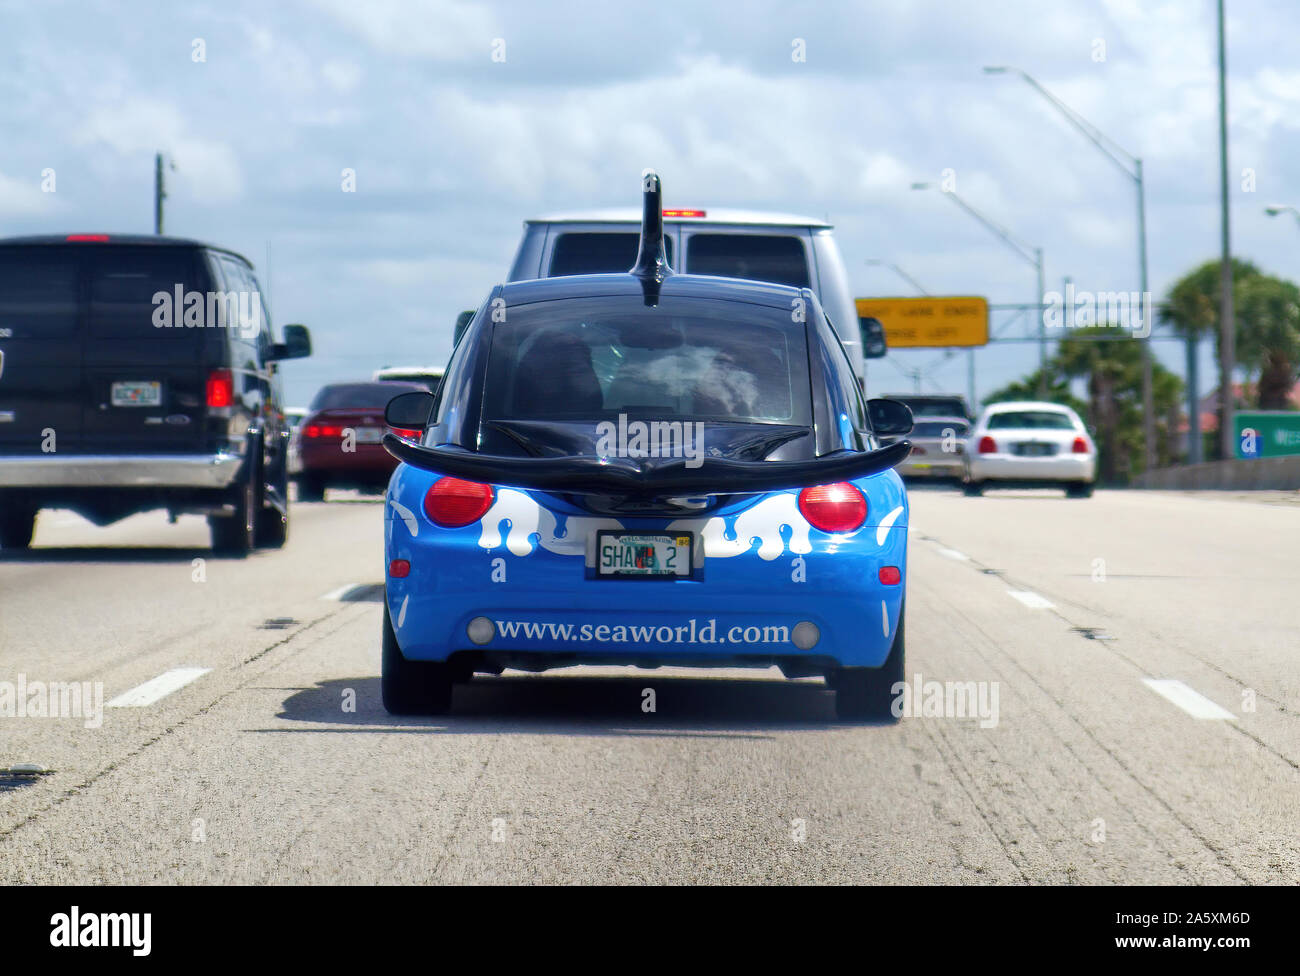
x=460 y=120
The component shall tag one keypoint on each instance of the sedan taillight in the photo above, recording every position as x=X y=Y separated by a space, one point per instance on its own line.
x=1080 y=446
x=987 y=445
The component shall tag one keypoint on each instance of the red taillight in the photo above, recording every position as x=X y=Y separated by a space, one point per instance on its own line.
x=1080 y=446
x=322 y=430
x=917 y=449
x=685 y=213
x=988 y=445
x=890 y=575
x=89 y=238
x=833 y=508
x=410 y=435
x=399 y=569
x=453 y=503
x=220 y=388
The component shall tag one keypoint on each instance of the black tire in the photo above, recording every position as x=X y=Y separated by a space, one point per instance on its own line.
x=311 y=488
x=272 y=529
x=17 y=525
x=1079 y=490
x=868 y=693
x=411 y=687
x=232 y=535
x=972 y=488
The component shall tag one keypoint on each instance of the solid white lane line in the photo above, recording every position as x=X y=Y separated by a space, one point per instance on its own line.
x=1032 y=599
x=342 y=591
x=1188 y=699
x=156 y=688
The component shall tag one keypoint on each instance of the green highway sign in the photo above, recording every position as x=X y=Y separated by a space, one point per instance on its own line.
x=1267 y=433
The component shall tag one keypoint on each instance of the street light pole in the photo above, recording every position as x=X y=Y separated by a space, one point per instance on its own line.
x=1131 y=166
x=1034 y=255
x=1227 y=323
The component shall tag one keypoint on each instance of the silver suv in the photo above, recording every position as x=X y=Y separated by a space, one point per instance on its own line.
x=752 y=244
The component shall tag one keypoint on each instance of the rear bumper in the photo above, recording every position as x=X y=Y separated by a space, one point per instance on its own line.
x=120 y=470
x=925 y=468
x=1058 y=468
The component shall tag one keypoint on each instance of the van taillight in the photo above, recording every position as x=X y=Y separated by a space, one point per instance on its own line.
x=453 y=503
x=988 y=445
x=221 y=388
x=834 y=508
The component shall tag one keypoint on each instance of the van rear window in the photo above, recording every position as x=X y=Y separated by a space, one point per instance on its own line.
x=780 y=258
x=597 y=253
x=124 y=281
x=38 y=292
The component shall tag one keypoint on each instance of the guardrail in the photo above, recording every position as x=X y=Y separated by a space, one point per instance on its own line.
x=1259 y=474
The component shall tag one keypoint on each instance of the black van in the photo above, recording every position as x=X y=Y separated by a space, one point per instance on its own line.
x=140 y=373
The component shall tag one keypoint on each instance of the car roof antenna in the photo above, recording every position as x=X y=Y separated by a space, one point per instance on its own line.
x=651 y=260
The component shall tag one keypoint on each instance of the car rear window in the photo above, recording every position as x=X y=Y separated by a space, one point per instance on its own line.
x=780 y=258
x=124 y=282
x=933 y=428
x=344 y=396
x=578 y=253
x=1030 y=420
x=38 y=292
x=932 y=407
x=594 y=359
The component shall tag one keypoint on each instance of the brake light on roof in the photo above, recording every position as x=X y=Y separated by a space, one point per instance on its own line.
x=685 y=213
x=220 y=388
x=834 y=508
x=88 y=238
x=453 y=502
x=1080 y=446
x=987 y=445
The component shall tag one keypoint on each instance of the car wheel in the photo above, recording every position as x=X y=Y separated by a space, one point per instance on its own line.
x=411 y=687
x=310 y=488
x=272 y=529
x=868 y=693
x=16 y=528
x=1079 y=490
x=233 y=534
x=972 y=488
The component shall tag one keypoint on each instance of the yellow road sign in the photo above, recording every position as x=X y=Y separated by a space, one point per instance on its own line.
x=946 y=320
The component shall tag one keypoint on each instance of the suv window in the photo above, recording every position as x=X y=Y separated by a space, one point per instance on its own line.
x=758 y=257
x=595 y=253
x=124 y=281
x=38 y=292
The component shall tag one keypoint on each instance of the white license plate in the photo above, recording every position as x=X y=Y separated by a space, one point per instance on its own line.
x=369 y=435
x=628 y=554
x=136 y=394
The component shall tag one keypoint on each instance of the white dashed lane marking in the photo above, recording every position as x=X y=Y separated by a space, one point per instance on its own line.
x=1032 y=600
x=953 y=554
x=157 y=688
x=1188 y=699
x=343 y=592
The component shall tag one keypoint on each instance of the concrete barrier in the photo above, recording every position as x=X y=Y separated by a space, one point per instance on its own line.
x=1259 y=474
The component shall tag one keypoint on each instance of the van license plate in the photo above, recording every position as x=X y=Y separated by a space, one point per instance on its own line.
x=136 y=394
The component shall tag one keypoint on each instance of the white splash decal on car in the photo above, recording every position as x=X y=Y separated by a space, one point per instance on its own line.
x=406 y=515
x=884 y=618
x=527 y=518
x=886 y=524
x=762 y=524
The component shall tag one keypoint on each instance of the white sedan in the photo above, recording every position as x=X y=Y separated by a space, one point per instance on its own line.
x=1028 y=444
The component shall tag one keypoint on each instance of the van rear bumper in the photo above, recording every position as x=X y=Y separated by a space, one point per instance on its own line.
x=119 y=470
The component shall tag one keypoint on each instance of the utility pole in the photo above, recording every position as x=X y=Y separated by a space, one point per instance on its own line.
x=1042 y=327
x=1227 y=324
x=159 y=193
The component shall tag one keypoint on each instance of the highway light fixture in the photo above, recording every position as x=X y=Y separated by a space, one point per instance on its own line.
x=1131 y=166
x=1278 y=209
x=1034 y=255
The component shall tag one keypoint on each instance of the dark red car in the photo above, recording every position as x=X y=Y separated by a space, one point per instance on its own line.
x=340 y=439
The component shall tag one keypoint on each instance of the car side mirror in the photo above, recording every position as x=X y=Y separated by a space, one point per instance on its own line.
x=409 y=411
x=889 y=417
x=462 y=323
x=872 y=331
x=296 y=344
